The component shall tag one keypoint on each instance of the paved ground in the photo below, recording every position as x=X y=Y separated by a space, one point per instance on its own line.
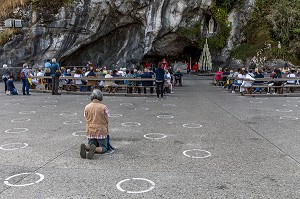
x=213 y=145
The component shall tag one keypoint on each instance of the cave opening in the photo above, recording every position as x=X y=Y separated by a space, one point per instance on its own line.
x=191 y=53
x=188 y=53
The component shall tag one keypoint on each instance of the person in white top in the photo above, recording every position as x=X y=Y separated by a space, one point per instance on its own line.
x=248 y=80
x=168 y=80
x=239 y=82
x=292 y=74
x=40 y=73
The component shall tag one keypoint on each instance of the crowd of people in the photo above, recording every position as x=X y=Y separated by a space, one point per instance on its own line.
x=232 y=79
x=163 y=76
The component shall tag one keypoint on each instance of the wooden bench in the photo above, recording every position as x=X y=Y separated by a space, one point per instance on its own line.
x=281 y=88
x=93 y=83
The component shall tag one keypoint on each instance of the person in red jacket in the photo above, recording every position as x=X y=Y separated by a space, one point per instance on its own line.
x=195 y=67
x=218 y=76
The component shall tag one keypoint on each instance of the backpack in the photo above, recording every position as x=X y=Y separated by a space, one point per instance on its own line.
x=22 y=75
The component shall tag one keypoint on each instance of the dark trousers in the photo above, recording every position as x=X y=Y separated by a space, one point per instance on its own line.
x=55 y=84
x=25 y=86
x=178 y=81
x=5 y=83
x=160 y=89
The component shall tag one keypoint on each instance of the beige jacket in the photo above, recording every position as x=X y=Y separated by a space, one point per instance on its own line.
x=96 y=122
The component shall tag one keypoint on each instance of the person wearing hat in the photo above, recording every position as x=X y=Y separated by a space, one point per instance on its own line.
x=96 y=116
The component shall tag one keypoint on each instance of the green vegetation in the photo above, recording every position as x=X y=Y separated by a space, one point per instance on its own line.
x=53 y=6
x=7 y=6
x=272 y=21
x=7 y=35
x=43 y=7
x=219 y=40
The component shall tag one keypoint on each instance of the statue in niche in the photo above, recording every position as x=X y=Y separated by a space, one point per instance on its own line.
x=211 y=25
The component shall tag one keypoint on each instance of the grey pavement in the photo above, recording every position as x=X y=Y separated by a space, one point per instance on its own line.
x=199 y=142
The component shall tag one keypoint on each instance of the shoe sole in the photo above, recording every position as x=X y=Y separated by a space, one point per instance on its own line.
x=91 y=153
x=82 y=151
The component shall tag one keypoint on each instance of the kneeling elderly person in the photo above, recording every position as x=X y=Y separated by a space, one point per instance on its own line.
x=96 y=116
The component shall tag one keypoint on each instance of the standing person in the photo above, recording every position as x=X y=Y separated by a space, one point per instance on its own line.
x=55 y=73
x=11 y=87
x=96 y=116
x=25 y=74
x=159 y=80
x=5 y=76
x=47 y=63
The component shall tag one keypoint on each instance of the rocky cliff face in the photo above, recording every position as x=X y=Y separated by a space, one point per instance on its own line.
x=107 y=32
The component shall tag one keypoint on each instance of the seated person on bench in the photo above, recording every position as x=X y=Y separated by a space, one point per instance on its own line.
x=178 y=77
x=147 y=74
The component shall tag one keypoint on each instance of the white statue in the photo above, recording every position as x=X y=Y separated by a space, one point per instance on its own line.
x=211 y=26
x=279 y=44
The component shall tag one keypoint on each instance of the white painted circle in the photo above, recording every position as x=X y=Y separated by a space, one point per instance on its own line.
x=68 y=114
x=115 y=115
x=288 y=118
x=290 y=105
x=151 y=101
x=26 y=112
x=165 y=116
x=72 y=122
x=148 y=136
x=284 y=110
x=169 y=105
x=131 y=124
x=135 y=192
x=49 y=106
x=3 y=147
x=142 y=108
x=208 y=154
x=23 y=185
x=16 y=130
x=21 y=120
x=256 y=102
x=116 y=100
x=260 y=98
x=12 y=104
x=76 y=133
x=192 y=125
x=51 y=101
x=126 y=104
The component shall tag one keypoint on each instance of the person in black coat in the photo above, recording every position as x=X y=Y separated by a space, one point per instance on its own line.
x=11 y=87
x=5 y=76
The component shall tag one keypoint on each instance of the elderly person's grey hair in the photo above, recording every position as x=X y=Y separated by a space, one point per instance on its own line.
x=97 y=94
